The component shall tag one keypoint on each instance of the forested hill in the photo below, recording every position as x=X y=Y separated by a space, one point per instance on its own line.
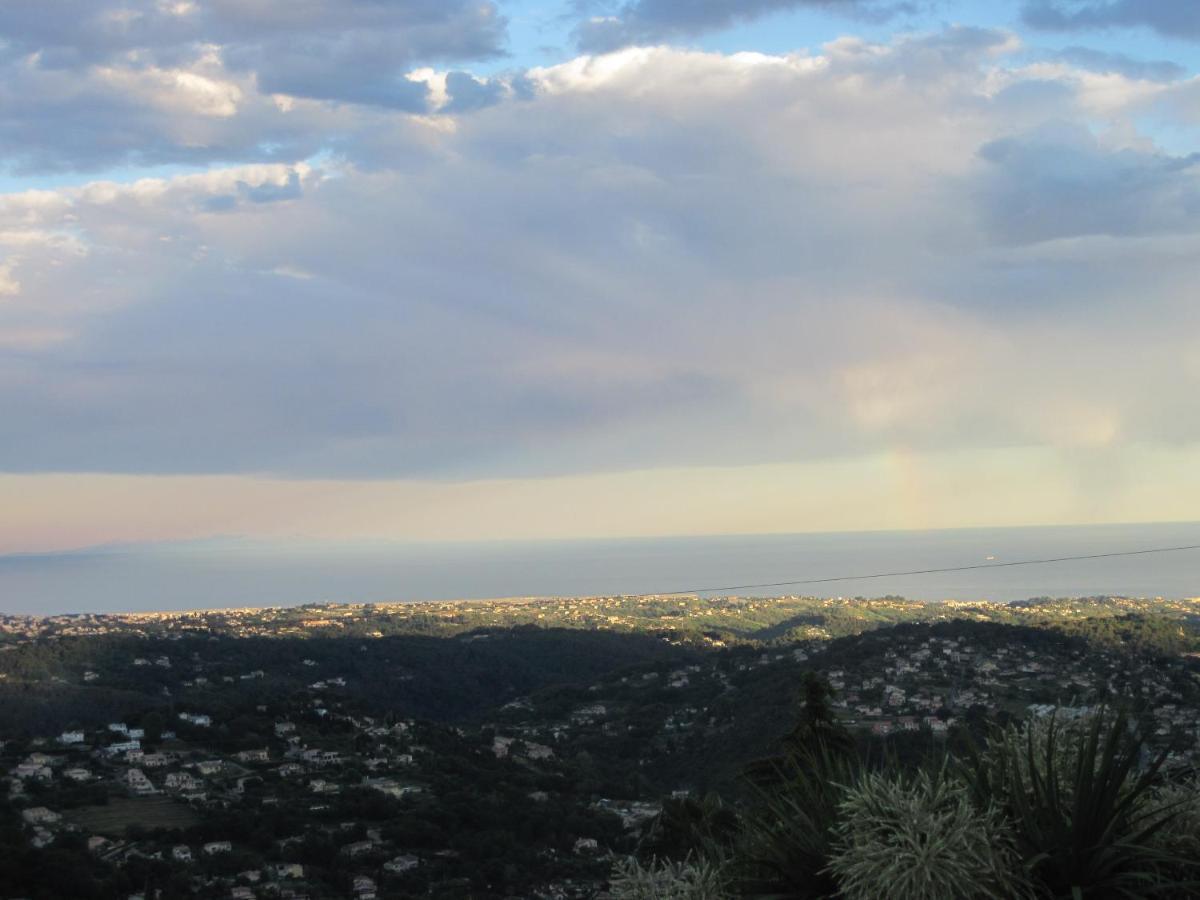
x=47 y=684
x=515 y=749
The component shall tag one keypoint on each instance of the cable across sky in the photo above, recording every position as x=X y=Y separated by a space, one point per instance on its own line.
x=986 y=565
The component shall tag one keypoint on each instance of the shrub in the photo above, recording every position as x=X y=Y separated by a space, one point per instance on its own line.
x=787 y=840
x=665 y=880
x=922 y=838
x=687 y=827
x=1180 y=834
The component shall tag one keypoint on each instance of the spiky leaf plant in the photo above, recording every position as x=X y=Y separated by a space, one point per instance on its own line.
x=921 y=838
x=1077 y=797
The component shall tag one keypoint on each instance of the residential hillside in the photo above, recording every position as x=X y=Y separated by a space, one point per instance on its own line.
x=512 y=749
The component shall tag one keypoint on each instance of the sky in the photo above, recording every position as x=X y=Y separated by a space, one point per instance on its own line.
x=445 y=270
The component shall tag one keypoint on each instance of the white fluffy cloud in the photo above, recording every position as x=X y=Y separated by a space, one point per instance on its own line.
x=650 y=257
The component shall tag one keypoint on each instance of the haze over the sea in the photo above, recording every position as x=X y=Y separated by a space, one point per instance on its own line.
x=224 y=573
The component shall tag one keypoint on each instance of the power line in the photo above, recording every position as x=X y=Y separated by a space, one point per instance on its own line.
x=997 y=565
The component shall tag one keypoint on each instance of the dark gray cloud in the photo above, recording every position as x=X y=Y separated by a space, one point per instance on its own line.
x=363 y=33
x=467 y=92
x=1171 y=18
x=353 y=51
x=1060 y=182
x=609 y=26
x=357 y=69
x=1121 y=64
x=90 y=84
x=66 y=121
x=364 y=59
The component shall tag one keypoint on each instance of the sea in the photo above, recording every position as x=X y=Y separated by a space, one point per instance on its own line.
x=232 y=572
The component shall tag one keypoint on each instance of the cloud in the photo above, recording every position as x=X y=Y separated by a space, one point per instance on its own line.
x=93 y=83
x=650 y=258
x=1170 y=18
x=1060 y=181
x=466 y=92
x=9 y=286
x=1121 y=64
x=270 y=192
x=609 y=27
x=285 y=43
x=61 y=120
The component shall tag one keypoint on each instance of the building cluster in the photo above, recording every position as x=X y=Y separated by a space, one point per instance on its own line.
x=167 y=780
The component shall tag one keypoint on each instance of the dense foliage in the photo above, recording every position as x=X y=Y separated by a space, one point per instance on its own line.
x=1047 y=809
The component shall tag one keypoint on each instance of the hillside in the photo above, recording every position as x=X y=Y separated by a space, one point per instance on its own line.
x=466 y=751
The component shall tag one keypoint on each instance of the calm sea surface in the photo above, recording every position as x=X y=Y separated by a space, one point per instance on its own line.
x=247 y=573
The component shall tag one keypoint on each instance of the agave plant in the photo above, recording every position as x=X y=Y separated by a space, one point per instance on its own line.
x=1078 y=801
x=922 y=838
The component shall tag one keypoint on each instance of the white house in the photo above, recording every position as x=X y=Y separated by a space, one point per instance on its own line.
x=391 y=787
x=39 y=815
x=33 y=770
x=136 y=781
x=357 y=848
x=401 y=863
x=182 y=781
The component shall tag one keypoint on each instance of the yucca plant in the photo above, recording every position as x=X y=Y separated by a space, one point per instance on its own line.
x=1078 y=803
x=921 y=838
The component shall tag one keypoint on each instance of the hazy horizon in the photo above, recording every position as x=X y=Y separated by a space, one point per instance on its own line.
x=239 y=573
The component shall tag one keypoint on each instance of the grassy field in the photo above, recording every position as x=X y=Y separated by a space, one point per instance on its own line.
x=112 y=819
